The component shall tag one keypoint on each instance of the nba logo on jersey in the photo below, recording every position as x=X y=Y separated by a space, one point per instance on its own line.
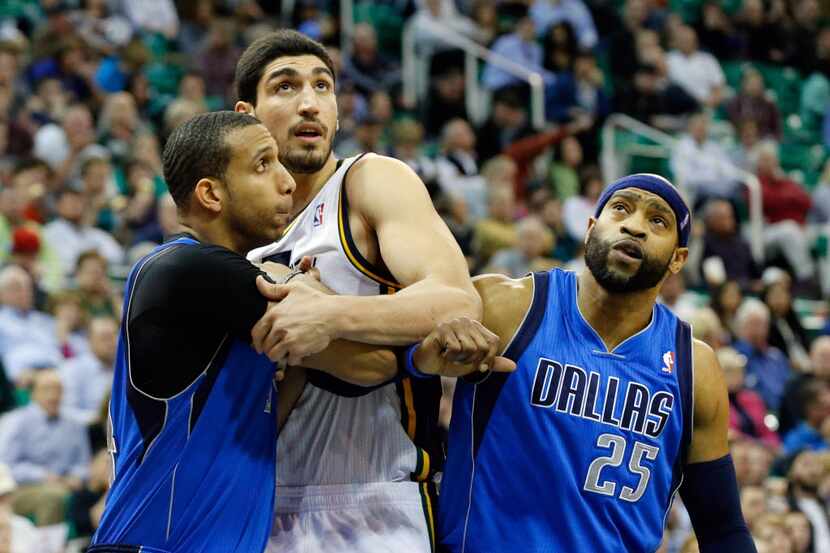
x=318 y=215
x=668 y=362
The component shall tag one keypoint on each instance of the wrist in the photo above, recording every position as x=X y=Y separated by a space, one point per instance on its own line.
x=339 y=320
x=411 y=359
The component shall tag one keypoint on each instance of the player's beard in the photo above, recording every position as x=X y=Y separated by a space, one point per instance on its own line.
x=649 y=275
x=305 y=159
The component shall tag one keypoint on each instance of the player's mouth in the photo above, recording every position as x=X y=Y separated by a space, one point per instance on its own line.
x=629 y=249
x=309 y=132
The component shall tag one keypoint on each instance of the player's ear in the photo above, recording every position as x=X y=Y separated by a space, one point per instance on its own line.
x=209 y=194
x=244 y=107
x=678 y=260
x=591 y=224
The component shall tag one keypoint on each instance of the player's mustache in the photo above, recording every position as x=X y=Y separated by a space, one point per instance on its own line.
x=324 y=130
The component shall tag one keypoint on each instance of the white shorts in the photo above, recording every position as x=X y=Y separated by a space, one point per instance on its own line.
x=385 y=517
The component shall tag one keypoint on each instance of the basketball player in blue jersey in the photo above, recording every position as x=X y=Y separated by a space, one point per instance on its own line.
x=355 y=466
x=613 y=407
x=192 y=420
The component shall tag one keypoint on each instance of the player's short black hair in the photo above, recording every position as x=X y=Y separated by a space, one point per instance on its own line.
x=268 y=48
x=197 y=149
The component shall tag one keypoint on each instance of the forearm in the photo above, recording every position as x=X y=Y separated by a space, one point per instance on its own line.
x=355 y=363
x=403 y=318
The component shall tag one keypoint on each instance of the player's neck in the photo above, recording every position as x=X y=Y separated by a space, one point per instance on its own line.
x=216 y=235
x=309 y=184
x=615 y=317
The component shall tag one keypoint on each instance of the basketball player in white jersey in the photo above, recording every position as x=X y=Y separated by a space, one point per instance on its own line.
x=356 y=464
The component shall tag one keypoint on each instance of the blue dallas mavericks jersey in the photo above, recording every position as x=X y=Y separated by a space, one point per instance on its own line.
x=580 y=450
x=203 y=480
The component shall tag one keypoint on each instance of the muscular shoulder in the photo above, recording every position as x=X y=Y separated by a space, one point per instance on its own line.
x=506 y=301
x=711 y=408
x=708 y=375
x=376 y=183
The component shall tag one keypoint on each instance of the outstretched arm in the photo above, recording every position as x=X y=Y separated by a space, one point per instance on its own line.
x=709 y=490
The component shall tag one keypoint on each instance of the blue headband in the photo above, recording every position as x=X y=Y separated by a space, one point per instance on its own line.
x=656 y=185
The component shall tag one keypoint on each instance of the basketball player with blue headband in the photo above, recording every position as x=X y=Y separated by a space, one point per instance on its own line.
x=613 y=407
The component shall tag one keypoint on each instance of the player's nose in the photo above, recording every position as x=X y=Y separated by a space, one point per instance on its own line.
x=309 y=104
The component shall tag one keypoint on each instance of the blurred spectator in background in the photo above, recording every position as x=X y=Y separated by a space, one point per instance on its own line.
x=408 y=136
x=530 y=254
x=559 y=47
x=520 y=47
x=47 y=452
x=216 y=59
x=762 y=37
x=792 y=405
x=87 y=379
x=726 y=254
x=99 y=191
x=815 y=396
x=579 y=94
x=726 y=299
x=93 y=285
x=366 y=67
x=17 y=534
x=697 y=72
x=65 y=147
x=805 y=476
x=158 y=16
x=445 y=100
x=623 y=43
x=497 y=231
x=785 y=206
x=649 y=95
x=578 y=209
x=507 y=124
x=746 y=408
x=706 y=326
x=767 y=368
x=800 y=532
x=747 y=150
x=21 y=327
x=546 y=13
x=786 y=332
x=702 y=163
x=716 y=31
x=752 y=104
x=673 y=295
x=75 y=235
x=564 y=171
x=433 y=18
x=815 y=94
x=368 y=137
x=457 y=167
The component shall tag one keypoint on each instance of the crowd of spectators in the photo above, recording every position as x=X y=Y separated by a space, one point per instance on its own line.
x=90 y=89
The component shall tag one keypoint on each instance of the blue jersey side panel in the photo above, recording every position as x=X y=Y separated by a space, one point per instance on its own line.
x=205 y=483
x=580 y=449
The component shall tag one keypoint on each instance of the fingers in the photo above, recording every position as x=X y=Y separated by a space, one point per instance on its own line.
x=306 y=264
x=273 y=292
x=503 y=365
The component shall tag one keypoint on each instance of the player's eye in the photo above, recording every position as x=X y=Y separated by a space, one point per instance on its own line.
x=619 y=206
x=262 y=165
x=322 y=85
x=660 y=221
x=284 y=86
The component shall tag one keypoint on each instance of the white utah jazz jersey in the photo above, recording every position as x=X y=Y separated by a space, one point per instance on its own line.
x=333 y=437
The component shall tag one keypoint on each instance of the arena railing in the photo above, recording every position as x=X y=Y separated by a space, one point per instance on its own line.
x=416 y=71
x=613 y=168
